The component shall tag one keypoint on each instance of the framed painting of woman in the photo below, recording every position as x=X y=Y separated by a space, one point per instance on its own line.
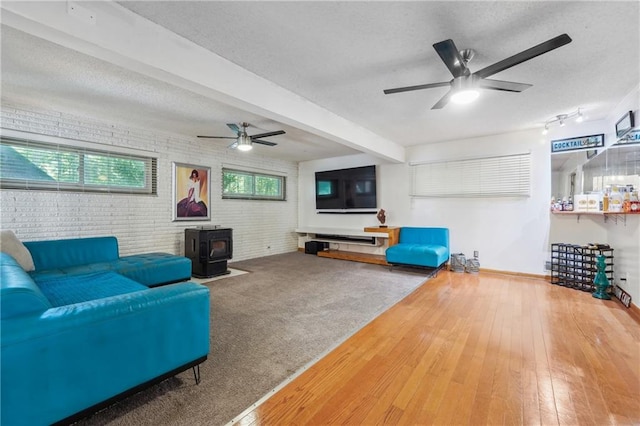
x=191 y=192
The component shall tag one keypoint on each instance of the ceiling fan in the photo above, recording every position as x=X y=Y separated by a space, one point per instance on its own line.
x=243 y=141
x=464 y=85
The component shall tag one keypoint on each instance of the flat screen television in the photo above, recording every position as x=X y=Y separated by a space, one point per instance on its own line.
x=346 y=190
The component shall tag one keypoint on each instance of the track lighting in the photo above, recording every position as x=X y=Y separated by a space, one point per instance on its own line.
x=561 y=119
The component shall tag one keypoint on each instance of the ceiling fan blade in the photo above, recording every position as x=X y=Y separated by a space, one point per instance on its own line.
x=265 y=135
x=443 y=100
x=507 y=86
x=418 y=87
x=233 y=145
x=525 y=55
x=263 y=142
x=233 y=127
x=451 y=57
x=216 y=137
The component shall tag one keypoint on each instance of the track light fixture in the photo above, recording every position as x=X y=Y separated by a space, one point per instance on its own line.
x=561 y=119
x=546 y=129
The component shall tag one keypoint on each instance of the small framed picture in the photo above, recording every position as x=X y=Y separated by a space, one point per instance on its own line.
x=591 y=153
x=625 y=124
x=191 y=192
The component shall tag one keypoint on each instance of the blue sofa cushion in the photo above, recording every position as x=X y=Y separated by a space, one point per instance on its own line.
x=415 y=235
x=45 y=275
x=67 y=290
x=430 y=255
x=61 y=254
x=20 y=294
x=152 y=269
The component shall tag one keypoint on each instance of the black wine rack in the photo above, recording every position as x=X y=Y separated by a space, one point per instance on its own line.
x=574 y=266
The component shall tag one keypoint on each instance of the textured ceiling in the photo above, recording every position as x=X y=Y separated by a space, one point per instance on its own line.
x=45 y=75
x=341 y=55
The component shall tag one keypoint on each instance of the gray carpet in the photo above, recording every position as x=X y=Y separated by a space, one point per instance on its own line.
x=266 y=325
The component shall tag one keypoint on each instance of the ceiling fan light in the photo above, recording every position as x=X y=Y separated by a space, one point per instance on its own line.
x=465 y=96
x=244 y=143
x=546 y=129
x=580 y=117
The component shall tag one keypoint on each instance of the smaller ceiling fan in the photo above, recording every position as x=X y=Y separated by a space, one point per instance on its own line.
x=243 y=141
x=463 y=87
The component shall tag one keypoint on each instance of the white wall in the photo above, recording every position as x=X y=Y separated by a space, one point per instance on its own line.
x=511 y=234
x=144 y=223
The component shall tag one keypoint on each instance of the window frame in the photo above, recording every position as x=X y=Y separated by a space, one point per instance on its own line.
x=82 y=150
x=229 y=196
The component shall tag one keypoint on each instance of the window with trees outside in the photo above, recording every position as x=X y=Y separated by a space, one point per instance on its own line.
x=242 y=184
x=42 y=166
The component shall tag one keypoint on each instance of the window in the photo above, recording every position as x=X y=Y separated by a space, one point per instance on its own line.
x=504 y=176
x=254 y=186
x=43 y=166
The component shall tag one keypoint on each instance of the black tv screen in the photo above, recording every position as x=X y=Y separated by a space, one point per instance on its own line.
x=346 y=189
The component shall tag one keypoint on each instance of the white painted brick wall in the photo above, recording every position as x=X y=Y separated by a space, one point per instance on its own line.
x=144 y=223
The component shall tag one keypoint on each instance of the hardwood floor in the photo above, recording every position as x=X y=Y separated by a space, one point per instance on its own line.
x=475 y=349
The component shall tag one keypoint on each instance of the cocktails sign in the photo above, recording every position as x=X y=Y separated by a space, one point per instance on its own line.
x=582 y=142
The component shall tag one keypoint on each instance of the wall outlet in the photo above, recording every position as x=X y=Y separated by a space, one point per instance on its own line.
x=547 y=265
x=475 y=253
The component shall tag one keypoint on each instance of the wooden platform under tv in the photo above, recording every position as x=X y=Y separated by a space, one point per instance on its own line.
x=376 y=259
x=390 y=233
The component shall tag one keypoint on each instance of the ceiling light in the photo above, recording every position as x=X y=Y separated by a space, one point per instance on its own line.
x=464 y=90
x=244 y=143
x=465 y=96
x=561 y=119
x=546 y=129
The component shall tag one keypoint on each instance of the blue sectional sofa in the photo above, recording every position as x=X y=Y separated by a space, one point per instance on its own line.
x=87 y=327
x=427 y=247
x=55 y=258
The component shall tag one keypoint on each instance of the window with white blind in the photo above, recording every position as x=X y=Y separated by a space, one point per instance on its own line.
x=241 y=184
x=503 y=176
x=36 y=165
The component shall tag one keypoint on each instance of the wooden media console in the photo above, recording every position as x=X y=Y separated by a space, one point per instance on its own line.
x=370 y=236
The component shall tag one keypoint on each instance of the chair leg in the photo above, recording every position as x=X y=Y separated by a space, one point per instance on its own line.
x=196 y=373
